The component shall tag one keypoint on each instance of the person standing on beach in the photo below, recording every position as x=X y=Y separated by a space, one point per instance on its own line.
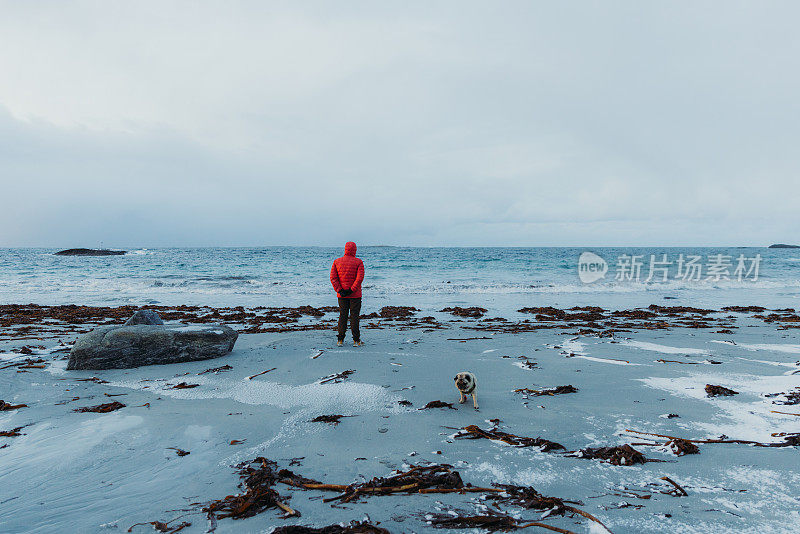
x=347 y=273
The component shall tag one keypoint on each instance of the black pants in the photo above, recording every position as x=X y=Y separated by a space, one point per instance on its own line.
x=352 y=307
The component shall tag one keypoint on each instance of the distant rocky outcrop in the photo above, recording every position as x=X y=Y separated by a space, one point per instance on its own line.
x=782 y=245
x=147 y=342
x=90 y=252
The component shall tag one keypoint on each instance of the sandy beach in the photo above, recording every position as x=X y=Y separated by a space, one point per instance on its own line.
x=637 y=373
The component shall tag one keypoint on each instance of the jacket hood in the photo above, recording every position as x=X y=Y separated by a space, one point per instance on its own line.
x=350 y=249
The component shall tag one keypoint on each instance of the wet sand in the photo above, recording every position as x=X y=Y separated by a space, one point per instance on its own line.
x=634 y=370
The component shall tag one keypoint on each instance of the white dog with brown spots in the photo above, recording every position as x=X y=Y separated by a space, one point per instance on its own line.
x=466 y=384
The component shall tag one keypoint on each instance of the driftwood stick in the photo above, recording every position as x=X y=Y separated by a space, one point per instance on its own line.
x=785 y=413
x=660 y=360
x=289 y=512
x=261 y=373
x=461 y=490
x=321 y=487
x=741 y=441
x=681 y=491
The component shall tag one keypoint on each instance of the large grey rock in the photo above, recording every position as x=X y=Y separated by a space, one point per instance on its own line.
x=144 y=317
x=127 y=346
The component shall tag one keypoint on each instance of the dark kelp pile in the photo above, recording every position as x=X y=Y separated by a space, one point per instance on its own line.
x=355 y=527
x=101 y=408
x=622 y=455
x=257 y=480
x=438 y=404
x=475 y=432
x=30 y=321
x=259 y=476
x=788 y=398
x=216 y=370
x=6 y=407
x=719 y=391
x=337 y=377
x=559 y=390
x=14 y=432
x=524 y=497
x=790 y=439
x=606 y=323
x=681 y=447
x=438 y=478
x=161 y=526
x=528 y=498
x=473 y=312
x=330 y=419
x=184 y=385
x=492 y=522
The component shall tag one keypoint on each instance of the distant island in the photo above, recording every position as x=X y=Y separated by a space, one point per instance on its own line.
x=781 y=245
x=90 y=252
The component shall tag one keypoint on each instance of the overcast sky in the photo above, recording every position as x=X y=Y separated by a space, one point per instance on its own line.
x=412 y=123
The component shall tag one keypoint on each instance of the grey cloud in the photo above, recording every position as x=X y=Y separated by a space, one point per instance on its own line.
x=448 y=123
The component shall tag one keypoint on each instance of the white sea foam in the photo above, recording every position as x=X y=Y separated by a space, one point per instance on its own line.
x=574 y=346
x=788 y=348
x=738 y=416
x=607 y=360
x=664 y=349
x=346 y=395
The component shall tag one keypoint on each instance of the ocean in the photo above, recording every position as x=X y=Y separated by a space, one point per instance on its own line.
x=499 y=278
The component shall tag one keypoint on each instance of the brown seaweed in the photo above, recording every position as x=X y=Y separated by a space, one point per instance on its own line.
x=719 y=391
x=622 y=455
x=438 y=404
x=789 y=398
x=184 y=385
x=14 y=432
x=472 y=312
x=6 y=407
x=355 y=527
x=474 y=432
x=216 y=370
x=101 y=408
x=789 y=439
x=337 y=377
x=397 y=312
x=160 y=526
x=331 y=419
x=492 y=522
x=559 y=390
x=680 y=447
x=437 y=478
x=257 y=480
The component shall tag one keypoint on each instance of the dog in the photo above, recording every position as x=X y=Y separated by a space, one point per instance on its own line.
x=466 y=384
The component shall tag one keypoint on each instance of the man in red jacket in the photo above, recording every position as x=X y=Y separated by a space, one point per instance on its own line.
x=347 y=273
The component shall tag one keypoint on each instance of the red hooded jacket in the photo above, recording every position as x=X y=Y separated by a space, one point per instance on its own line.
x=347 y=272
